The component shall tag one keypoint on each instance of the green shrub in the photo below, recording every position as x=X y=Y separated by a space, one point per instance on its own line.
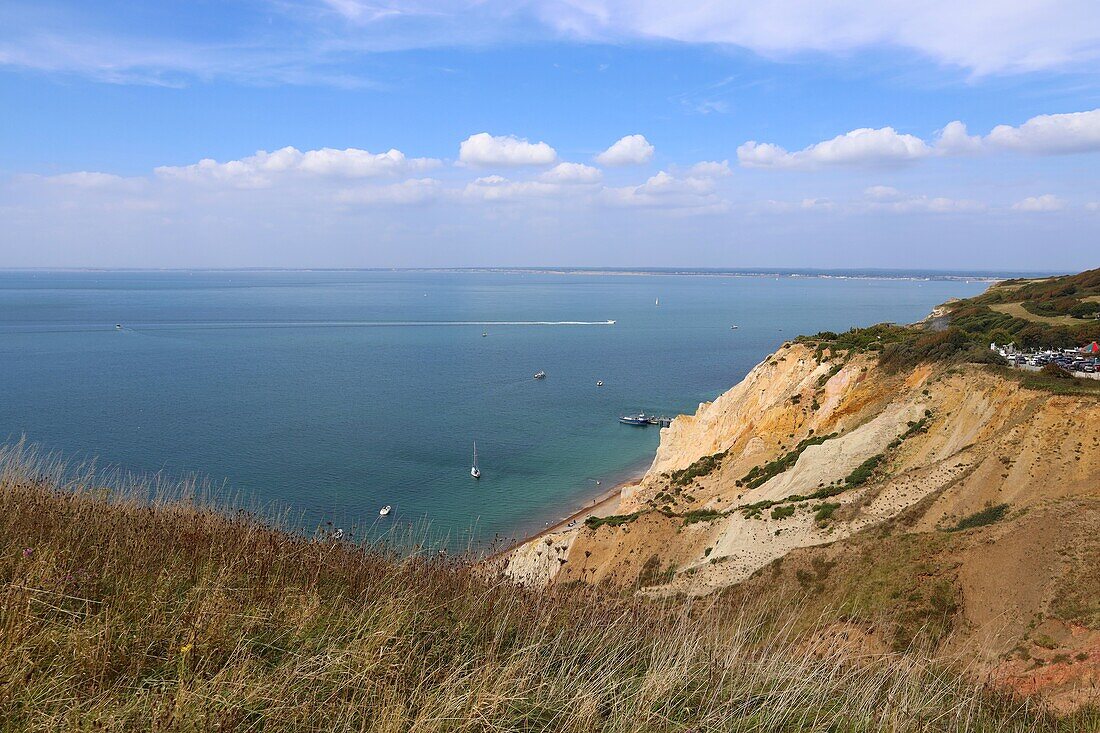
x=989 y=515
x=824 y=378
x=863 y=471
x=782 y=512
x=699 y=468
x=1054 y=371
x=759 y=475
x=701 y=515
x=615 y=520
x=825 y=512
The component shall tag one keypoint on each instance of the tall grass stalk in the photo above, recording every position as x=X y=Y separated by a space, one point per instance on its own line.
x=132 y=604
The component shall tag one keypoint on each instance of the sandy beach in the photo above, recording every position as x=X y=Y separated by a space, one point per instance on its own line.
x=602 y=505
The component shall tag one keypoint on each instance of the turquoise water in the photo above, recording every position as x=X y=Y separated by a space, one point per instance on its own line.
x=334 y=393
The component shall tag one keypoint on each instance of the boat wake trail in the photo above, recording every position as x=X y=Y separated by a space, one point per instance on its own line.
x=217 y=325
x=364 y=324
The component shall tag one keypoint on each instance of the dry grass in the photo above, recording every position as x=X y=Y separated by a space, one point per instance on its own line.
x=121 y=613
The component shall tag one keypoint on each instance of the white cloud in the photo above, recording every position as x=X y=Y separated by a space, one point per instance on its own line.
x=264 y=168
x=1046 y=202
x=1075 y=132
x=484 y=149
x=499 y=188
x=773 y=206
x=1092 y=206
x=667 y=191
x=664 y=184
x=953 y=139
x=929 y=204
x=884 y=199
x=863 y=147
x=710 y=169
x=353 y=163
x=629 y=150
x=882 y=193
x=572 y=173
x=888 y=198
x=408 y=192
x=89 y=179
x=817 y=204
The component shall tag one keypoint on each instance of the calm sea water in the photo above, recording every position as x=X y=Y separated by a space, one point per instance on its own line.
x=335 y=393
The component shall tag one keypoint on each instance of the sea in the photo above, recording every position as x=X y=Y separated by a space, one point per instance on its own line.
x=326 y=395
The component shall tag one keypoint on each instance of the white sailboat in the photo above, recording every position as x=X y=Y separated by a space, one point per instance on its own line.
x=657 y=302
x=474 y=470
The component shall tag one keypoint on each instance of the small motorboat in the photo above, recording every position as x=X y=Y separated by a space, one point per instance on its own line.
x=385 y=510
x=474 y=470
x=540 y=374
x=640 y=420
x=599 y=382
x=484 y=334
x=118 y=326
x=733 y=327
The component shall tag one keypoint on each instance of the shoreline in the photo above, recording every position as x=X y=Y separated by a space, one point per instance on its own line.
x=603 y=504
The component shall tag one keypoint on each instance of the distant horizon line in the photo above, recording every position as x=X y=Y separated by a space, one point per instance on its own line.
x=898 y=272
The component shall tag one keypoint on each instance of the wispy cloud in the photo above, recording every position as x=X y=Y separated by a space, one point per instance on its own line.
x=321 y=41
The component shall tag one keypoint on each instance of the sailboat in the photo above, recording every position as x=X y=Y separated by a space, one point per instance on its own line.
x=657 y=302
x=474 y=470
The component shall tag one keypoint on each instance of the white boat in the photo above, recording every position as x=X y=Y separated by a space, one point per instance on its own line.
x=474 y=470
x=385 y=510
x=733 y=328
x=599 y=382
x=657 y=302
x=540 y=374
x=118 y=326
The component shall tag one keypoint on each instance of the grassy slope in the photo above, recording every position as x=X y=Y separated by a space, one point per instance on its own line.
x=919 y=589
x=120 y=614
x=973 y=323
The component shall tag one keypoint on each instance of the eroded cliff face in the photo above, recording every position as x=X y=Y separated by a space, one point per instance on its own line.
x=812 y=456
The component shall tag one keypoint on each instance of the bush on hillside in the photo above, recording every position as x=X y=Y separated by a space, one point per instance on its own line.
x=1055 y=372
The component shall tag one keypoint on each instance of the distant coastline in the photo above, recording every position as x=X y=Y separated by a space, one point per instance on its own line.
x=862 y=273
x=854 y=274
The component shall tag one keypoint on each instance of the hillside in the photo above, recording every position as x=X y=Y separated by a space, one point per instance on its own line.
x=118 y=613
x=883 y=474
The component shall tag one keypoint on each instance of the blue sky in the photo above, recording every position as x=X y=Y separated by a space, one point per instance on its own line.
x=543 y=132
